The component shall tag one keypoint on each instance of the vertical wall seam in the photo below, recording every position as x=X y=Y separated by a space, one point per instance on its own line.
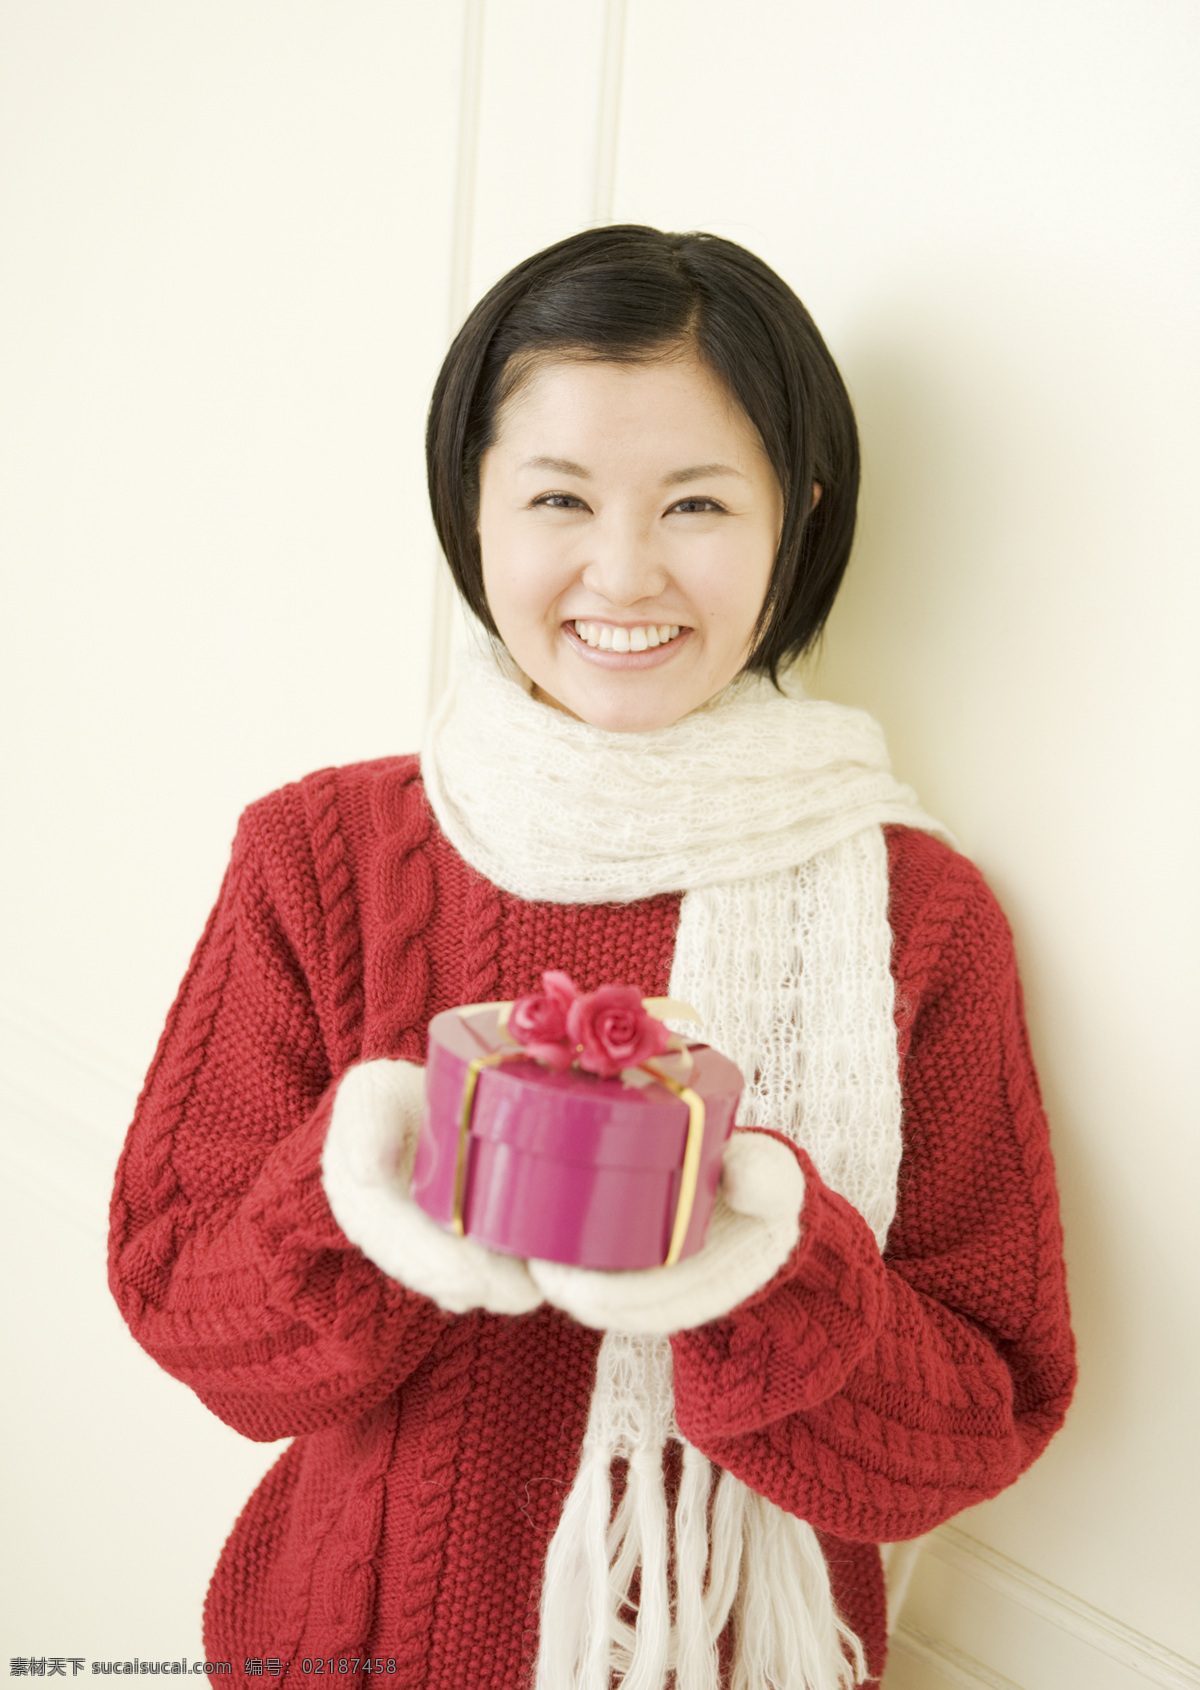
x=467 y=161
x=461 y=250
x=609 y=111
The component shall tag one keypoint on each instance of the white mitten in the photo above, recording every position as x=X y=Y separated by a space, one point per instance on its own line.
x=366 y=1167
x=754 y=1228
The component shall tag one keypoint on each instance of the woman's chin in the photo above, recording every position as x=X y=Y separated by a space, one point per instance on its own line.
x=618 y=710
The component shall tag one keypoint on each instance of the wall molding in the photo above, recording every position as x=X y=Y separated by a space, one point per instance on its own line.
x=911 y=1648
x=608 y=111
x=441 y=639
x=1100 y=1631
x=968 y=1597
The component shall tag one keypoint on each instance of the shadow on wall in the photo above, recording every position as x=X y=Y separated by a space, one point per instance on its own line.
x=937 y=507
x=943 y=630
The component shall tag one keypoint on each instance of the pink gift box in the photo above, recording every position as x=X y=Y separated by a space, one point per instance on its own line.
x=563 y=1165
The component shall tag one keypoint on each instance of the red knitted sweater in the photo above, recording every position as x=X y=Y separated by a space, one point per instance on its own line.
x=410 y=1518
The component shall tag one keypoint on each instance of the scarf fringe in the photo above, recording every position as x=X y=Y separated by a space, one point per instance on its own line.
x=790 y=1636
x=699 y=1619
x=754 y=1562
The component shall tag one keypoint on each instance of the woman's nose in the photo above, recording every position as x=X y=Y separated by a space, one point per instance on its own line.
x=623 y=566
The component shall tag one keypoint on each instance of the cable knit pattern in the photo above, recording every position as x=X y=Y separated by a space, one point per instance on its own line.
x=348 y=1593
x=449 y=1390
x=397 y=988
x=342 y=935
x=482 y=952
x=149 y=1236
x=398 y=968
x=876 y=1394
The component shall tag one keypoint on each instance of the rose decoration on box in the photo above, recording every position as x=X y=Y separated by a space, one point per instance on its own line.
x=602 y=1032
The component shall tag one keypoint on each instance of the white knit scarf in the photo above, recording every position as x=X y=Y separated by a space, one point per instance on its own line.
x=766 y=811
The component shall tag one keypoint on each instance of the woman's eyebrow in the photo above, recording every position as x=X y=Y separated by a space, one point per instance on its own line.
x=699 y=472
x=561 y=466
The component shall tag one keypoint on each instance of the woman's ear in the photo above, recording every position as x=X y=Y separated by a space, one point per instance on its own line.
x=815 y=498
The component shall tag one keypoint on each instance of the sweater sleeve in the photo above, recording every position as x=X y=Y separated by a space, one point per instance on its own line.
x=223 y=1254
x=877 y=1396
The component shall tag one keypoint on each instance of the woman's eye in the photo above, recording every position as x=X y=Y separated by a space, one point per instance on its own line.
x=560 y=502
x=690 y=506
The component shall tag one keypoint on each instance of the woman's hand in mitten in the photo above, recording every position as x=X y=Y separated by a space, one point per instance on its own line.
x=754 y=1228
x=366 y=1167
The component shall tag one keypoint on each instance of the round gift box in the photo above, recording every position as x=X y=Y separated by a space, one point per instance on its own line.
x=565 y=1166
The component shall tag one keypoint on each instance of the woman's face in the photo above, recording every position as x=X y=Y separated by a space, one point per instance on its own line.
x=628 y=519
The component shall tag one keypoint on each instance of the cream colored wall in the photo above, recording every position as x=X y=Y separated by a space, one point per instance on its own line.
x=237 y=236
x=228 y=234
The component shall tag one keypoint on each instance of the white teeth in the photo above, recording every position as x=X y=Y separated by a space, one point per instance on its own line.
x=603 y=636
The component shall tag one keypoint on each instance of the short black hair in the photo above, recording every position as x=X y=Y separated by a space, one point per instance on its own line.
x=628 y=293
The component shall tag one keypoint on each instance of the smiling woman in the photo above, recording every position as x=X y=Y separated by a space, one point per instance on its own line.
x=625 y=603
x=643 y=467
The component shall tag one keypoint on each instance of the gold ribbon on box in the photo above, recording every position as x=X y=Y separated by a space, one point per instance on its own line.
x=690 y=1176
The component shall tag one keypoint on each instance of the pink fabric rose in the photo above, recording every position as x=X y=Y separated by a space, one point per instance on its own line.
x=614 y=1031
x=539 y=1021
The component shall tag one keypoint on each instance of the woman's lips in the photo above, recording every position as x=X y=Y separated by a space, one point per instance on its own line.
x=648 y=659
x=626 y=659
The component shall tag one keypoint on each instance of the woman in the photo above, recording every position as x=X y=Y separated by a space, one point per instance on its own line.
x=644 y=468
